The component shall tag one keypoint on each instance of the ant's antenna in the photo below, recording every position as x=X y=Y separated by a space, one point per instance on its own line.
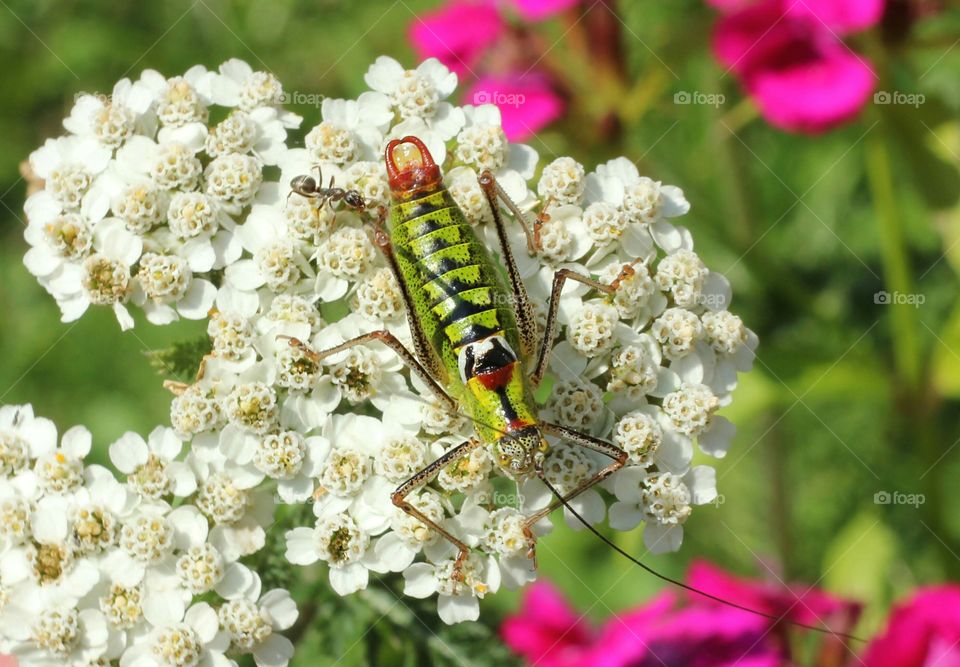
x=773 y=617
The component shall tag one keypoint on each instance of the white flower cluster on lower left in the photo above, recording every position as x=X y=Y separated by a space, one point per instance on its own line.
x=95 y=570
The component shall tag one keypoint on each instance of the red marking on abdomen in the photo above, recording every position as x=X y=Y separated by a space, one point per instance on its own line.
x=497 y=378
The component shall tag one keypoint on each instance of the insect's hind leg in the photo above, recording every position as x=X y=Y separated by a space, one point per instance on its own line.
x=559 y=279
x=526 y=321
x=393 y=343
x=596 y=444
x=423 y=477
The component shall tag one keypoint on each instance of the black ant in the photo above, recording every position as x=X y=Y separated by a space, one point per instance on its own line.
x=306 y=186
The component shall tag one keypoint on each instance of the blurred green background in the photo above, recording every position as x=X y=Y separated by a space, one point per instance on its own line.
x=848 y=398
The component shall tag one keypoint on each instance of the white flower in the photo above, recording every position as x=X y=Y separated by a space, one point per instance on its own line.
x=418 y=93
x=193 y=640
x=663 y=500
x=339 y=542
x=457 y=598
x=254 y=622
x=151 y=467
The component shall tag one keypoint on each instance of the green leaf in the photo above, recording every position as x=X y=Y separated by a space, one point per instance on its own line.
x=945 y=360
x=181 y=360
x=858 y=561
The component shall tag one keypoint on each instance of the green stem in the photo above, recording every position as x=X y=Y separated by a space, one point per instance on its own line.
x=896 y=266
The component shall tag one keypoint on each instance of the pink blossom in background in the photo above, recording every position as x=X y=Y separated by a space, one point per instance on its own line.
x=538 y=10
x=924 y=631
x=790 y=57
x=801 y=604
x=458 y=34
x=466 y=34
x=547 y=631
x=527 y=102
x=672 y=629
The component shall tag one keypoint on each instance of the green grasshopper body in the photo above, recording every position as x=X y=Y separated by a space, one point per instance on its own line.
x=463 y=308
x=476 y=344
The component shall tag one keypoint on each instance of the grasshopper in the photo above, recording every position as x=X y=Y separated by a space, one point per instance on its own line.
x=474 y=334
x=475 y=338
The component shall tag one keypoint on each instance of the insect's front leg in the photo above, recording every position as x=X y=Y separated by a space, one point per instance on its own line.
x=526 y=321
x=596 y=444
x=390 y=341
x=421 y=478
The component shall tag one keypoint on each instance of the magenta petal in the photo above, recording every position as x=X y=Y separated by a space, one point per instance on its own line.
x=816 y=95
x=458 y=34
x=538 y=10
x=753 y=36
x=527 y=103
x=920 y=632
x=841 y=16
x=546 y=631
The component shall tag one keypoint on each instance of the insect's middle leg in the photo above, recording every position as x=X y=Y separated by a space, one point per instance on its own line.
x=559 y=278
x=393 y=343
x=596 y=444
x=423 y=477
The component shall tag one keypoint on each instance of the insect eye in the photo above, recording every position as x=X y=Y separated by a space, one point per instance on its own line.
x=504 y=459
x=543 y=446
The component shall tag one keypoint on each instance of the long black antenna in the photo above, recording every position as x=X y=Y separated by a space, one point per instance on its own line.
x=688 y=587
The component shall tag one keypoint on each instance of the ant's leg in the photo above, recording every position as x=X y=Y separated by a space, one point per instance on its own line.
x=424 y=476
x=390 y=341
x=596 y=444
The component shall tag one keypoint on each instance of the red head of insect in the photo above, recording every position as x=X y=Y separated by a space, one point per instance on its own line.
x=410 y=167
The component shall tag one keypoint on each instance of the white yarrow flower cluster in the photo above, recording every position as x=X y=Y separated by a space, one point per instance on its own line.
x=145 y=203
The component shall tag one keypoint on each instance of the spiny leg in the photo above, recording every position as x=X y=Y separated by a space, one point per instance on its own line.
x=559 y=278
x=596 y=444
x=393 y=343
x=525 y=317
x=423 y=477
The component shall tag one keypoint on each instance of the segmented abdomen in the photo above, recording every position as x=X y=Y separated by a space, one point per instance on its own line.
x=452 y=280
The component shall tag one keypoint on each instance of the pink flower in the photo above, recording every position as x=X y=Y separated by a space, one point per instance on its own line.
x=801 y=604
x=547 y=631
x=790 y=57
x=462 y=35
x=671 y=629
x=458 y=34
x=527 y=102
x=922 y=632
x=538 y=10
